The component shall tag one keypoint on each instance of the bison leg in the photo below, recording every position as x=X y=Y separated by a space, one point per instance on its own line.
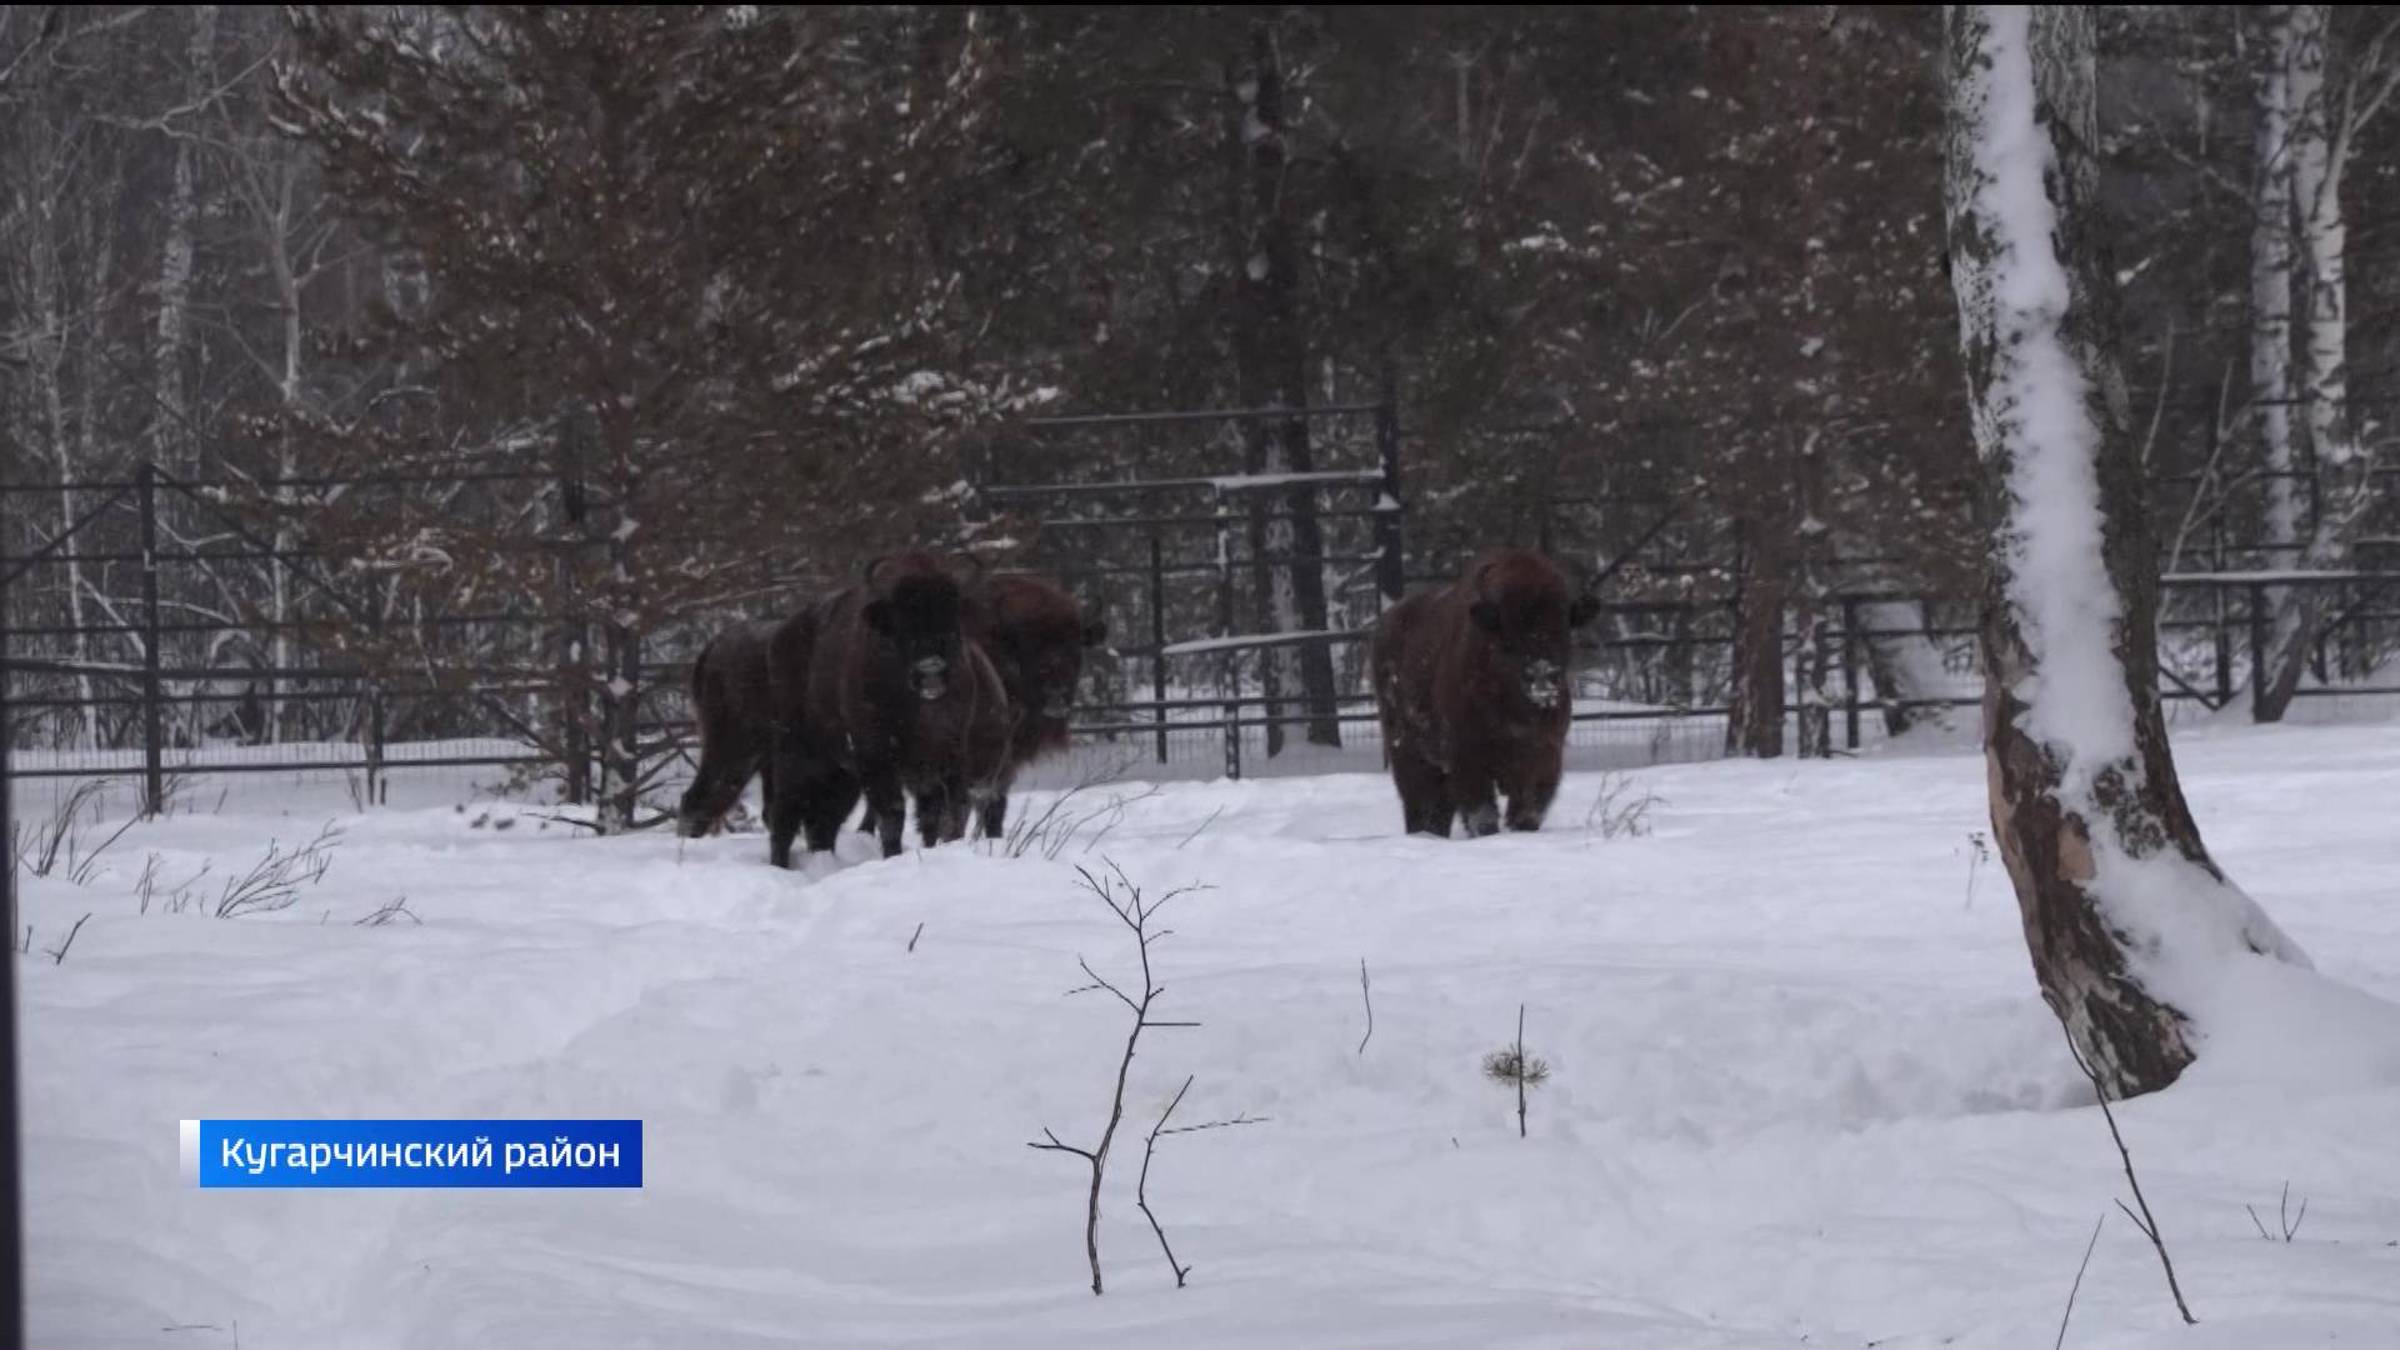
x=1536 y=785
x=942 y=812
x=714 y=790
x=890 y=805
x=991 y=804
x=825 y=801
x=1476 y=798
x=956 y=810
x=933 y=814
x=1424 y=795
x=787 y=790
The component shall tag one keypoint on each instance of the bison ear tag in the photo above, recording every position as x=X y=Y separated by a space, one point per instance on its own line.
x=1486 y=615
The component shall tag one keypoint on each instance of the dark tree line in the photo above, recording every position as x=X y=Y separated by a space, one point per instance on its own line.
x=738 y=295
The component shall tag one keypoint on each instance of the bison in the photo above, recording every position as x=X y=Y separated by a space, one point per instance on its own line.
x=1036 y=635
x=733 y=701
x=1471 y=688
x=879 y=690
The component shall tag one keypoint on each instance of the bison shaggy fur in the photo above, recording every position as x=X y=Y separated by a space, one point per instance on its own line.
x=1471 y=686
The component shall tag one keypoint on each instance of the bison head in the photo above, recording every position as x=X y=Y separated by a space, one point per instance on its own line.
x=920 y=609
x=1038 y=637
x=1520 y=605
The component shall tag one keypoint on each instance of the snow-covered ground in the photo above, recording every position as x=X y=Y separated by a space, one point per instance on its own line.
x=1803 y=1092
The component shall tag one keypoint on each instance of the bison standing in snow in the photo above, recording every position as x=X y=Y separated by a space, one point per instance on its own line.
x=1036 y=635
x=733 y=701
x=880 y=690
x=1471 y=687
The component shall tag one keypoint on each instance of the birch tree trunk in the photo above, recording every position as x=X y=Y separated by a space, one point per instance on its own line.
x=1271 y=349
x=2271 y=263
x=2326 y=122
x=1904 y=663
x=2128 y=921
x=170 y=413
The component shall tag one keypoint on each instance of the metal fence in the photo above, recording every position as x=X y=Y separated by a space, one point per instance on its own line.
x=163 y=685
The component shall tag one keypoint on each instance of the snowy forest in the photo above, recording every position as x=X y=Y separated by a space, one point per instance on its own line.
x=1505 y=632
x=503 y=354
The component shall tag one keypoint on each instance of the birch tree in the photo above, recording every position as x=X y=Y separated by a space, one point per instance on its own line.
x=170 y=425
x=2127 y=918
x=2271 y=258
x=2326 y=117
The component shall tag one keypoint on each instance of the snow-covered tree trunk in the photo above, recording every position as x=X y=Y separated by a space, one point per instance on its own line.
x=2271 y=264
x=277 y=222
x=620 y=689
x=170 y=413
x=2128 y=920
x=1271 y=349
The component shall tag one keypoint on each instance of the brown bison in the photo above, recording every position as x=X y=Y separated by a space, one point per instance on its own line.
x=878 y=690
x=732 y=700
x=1036 y=634
x=1471 y=687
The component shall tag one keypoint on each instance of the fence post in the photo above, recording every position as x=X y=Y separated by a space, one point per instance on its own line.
x=1229 y=675
x=2258 y=650
x=1158 y=640
x=154 y=777
x=1390 y=569
x=1233 y=739
x=2224 y=618
x=375 y=728
x=1850 y=641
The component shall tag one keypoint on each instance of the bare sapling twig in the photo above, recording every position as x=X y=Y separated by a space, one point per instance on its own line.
x=1212 y=819
x=81 y=869
x=1978 y=853
x=58 y=954
x=1616 y=813
x=146 y=885
x=1141 y=1186
x=1125 y=900
x=1056 y=827
x=37 y=848
x=1114 y=812
x=2077 y=1287
x=1512 y=1066
x=2285 y=1220
x=274 y=881
x=2144 y=1221
x=390 y=911
x=176 y=900
x=912 y=938
x=1366 y=996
